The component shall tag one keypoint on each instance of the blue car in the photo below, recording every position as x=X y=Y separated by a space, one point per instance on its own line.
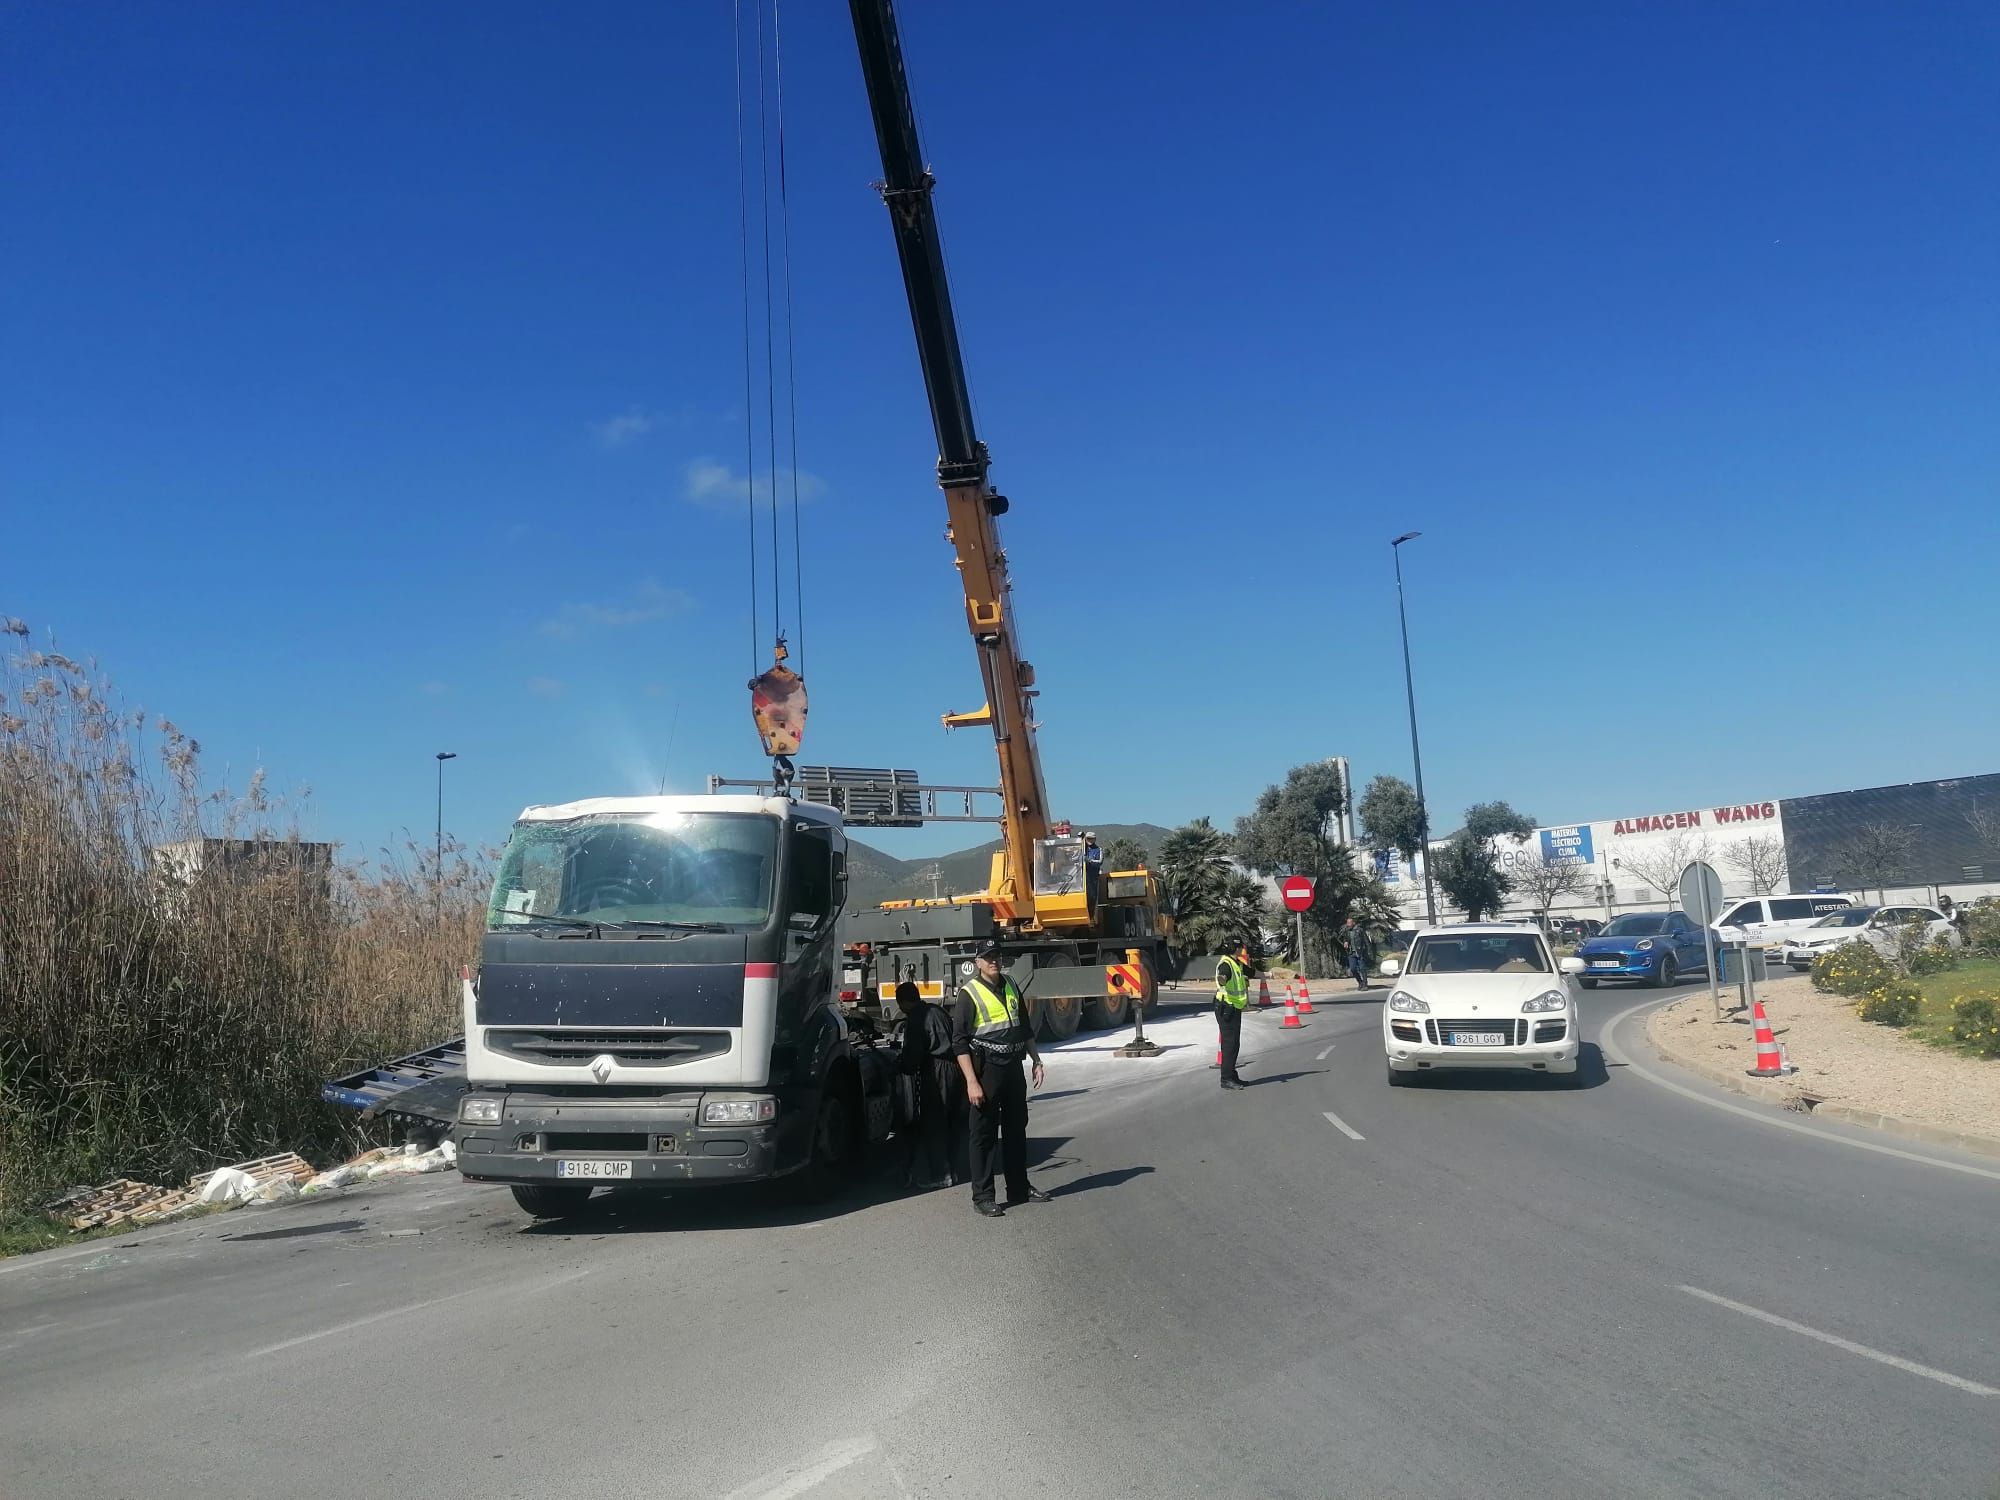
x=1651 y=947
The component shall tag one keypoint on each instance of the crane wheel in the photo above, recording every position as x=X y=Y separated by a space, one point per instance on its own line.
x=1060 y=1016
x=1107 y=1011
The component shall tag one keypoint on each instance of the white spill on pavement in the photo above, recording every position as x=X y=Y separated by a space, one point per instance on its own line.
x=808 y=1473
x=401 y=1312
x=1892 y=1360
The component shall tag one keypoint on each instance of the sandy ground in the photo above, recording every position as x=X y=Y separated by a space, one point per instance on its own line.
x=1839 y=1057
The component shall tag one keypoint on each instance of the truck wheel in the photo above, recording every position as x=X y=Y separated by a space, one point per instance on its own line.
x=552 y=1202
x=1106 y=1011
x=833 y=1153
x=1061 y=1015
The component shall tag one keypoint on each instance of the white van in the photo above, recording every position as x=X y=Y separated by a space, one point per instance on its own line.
x=1771 y=919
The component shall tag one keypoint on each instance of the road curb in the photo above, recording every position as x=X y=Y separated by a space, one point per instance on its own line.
x=1786 y=1094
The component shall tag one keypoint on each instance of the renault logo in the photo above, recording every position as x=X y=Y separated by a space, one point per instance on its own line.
x=600 y=1067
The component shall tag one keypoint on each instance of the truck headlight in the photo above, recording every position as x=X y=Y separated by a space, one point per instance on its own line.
x=1553 y=1000
x=1409 y=1004
x=739 y=1111
x=474 y=1110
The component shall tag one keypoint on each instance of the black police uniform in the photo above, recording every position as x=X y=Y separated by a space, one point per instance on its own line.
x=1000 y=1125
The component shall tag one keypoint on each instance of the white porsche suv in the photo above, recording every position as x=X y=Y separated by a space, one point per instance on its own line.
x=1482 y=995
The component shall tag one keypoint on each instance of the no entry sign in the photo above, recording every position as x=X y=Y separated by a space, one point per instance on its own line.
x=1298 y=893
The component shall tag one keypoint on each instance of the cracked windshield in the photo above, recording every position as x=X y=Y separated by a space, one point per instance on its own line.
x=1406 y=972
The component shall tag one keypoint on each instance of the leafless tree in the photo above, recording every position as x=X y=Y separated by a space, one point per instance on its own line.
x=1877 y=853
x=1660 y=863
x=1760 y=859
x=1985 y=824
x=1541 y=879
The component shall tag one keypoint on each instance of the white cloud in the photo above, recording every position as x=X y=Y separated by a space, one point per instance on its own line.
x=547 y=687
x=626 y=427
x=720 y=487
x=647 y=603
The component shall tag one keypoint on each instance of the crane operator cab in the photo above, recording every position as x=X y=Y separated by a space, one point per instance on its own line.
x=1064 y=890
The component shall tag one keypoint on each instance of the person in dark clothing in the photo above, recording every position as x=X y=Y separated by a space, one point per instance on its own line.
x=990 y=1034
x=937 y=1136
x=1357 y=953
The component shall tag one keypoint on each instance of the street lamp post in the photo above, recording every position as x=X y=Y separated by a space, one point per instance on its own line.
x=437 y=875
x=1416 y=754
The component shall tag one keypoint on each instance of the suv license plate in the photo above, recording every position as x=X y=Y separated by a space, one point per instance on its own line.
x=594 y=1171
x=1479 y=1039
x=1604 y=963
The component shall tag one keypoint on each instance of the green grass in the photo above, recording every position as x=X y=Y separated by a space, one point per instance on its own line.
x=24 y=1233
x=1933 y=1022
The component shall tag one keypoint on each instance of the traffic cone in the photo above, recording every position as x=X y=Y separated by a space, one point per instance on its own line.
x=1770 y=1061
x=1305 y=998
x=1263 y=992
x=1291 y=1012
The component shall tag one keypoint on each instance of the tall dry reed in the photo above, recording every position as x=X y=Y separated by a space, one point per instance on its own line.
x=159 y=1015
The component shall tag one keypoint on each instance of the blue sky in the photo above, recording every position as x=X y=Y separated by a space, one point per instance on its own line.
x=375 y=388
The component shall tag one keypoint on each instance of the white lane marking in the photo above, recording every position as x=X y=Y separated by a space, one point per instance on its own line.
x=787 y=1482
x=1343 y=1127
x=1895 y=1361
x=1605 y=1045
x=1324 y=1055
x=398 y=1312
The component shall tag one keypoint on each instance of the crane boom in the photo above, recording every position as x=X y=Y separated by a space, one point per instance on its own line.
x=971 y=503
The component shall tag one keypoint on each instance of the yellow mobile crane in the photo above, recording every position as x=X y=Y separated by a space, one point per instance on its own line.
x=1083 y=944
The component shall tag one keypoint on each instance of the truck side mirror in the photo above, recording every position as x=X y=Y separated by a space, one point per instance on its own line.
x=839 y=879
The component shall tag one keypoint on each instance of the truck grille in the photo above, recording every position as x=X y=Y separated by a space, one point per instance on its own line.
x=1513 y=1028
x=563 y=1047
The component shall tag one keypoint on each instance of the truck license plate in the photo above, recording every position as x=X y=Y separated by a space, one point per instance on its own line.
x=1479 y=1039
x=594 y=1171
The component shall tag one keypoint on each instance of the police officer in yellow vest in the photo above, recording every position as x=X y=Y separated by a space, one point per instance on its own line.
x=1232 y=993
x=990 y=1034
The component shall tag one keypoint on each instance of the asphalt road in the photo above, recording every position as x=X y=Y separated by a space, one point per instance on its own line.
x=1478 y=1288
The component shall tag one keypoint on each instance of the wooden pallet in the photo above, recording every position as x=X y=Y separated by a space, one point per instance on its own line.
x=263 y=1170
x=121 y=1201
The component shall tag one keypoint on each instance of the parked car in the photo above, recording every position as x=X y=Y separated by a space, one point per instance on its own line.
x=1486 y=995
x=1652 y=947
x=1575 y=929
x=1878 y=926
x=1768 y=920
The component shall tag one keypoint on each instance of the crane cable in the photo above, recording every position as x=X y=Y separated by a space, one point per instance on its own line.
x=791 y=345
x=749 y=436
x=770 y=372
x=770 y=95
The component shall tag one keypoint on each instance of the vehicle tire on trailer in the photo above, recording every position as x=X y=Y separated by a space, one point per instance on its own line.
x=1668 y=972
x=551 y=1200
x=835 y=1150
x=1058 y=1017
